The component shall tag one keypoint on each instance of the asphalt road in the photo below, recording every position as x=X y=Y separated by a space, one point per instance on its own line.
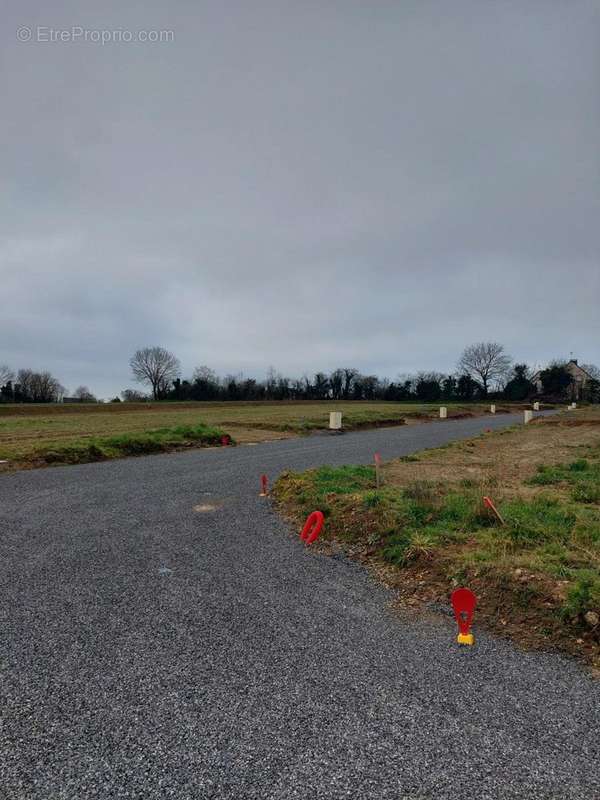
x=152 y=649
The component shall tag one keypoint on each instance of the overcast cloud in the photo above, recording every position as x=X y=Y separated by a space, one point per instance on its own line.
x=299 y=184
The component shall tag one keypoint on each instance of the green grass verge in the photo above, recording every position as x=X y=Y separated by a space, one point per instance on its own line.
x=581 y=476
x=131 y=444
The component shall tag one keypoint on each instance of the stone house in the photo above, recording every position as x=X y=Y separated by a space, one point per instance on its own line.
x=579 y=381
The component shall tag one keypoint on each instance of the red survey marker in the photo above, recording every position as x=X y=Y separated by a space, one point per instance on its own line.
x=464 y=602
x=264 y=490
x=312 y=527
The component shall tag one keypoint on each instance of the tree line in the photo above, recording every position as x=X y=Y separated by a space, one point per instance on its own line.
x=484 y=371
x=29 y=387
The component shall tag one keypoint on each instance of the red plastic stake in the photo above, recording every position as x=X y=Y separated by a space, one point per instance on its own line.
x=487 y=502
x=312 y=527
x=464 y=602
x=264 y=486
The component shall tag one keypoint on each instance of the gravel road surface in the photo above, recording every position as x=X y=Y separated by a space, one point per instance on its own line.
x=163 y=634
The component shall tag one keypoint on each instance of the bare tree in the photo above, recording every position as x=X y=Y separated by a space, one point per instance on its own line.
x=336 y=381
x=485 y=362
x=205 y=373
x=320 y=386
x=6 y=374
x=157 y=367
x=84 y=394
x=25 y=384
x=271 y=382
x=132 y=396
x=39 y=387
x=370 y=385
x=47 y=388
x=350 y=375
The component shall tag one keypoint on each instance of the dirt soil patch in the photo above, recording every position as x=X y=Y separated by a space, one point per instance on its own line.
x=502 y=459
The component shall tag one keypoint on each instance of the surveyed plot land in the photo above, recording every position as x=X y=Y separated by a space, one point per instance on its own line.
x=426 y=529
x=35 y=435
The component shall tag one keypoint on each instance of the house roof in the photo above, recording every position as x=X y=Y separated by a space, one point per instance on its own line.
x=571 y=361
x=579 y=367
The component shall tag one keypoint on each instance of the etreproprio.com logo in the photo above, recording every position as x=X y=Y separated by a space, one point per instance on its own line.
x=78 y=34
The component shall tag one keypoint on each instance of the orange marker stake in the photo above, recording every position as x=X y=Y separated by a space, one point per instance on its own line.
x=487 y=502
x=264 y=486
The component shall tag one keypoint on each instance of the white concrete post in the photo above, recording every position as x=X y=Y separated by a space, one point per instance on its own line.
x=443 y=412
x=536 y=406
x=527 y=416
x=492 y=409
x=335 y=420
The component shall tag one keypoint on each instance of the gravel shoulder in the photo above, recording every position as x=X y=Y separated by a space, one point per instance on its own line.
x=165 y=634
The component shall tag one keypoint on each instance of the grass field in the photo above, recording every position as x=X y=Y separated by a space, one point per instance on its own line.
x=76 y=433
x=426 y=529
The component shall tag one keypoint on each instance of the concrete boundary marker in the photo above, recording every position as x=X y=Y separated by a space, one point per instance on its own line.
x=335 y=420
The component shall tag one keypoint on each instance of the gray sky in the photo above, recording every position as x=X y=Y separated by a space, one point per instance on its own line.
x=298 y=184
